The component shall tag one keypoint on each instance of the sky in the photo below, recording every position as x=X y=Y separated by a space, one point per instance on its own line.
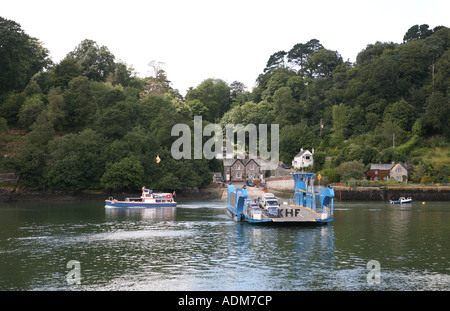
x=229 y=40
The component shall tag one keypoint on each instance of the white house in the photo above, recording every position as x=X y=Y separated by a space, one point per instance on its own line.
x=303 y=159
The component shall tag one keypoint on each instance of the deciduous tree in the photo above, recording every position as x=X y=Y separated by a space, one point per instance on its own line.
x=97 y=62
x=21 y=56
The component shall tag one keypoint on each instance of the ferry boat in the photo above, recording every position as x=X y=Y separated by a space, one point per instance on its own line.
x=306 y=205
x=147 y=199
x=401 y=200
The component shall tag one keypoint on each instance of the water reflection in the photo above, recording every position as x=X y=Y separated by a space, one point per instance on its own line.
x=213 y=252
x=275 y=258
x=196 y=246
x=155 y=213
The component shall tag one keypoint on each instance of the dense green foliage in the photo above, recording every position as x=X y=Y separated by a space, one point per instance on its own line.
x=91 y=123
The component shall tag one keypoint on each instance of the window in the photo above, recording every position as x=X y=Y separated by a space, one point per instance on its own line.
x=376 y=172
x=238 y=167
x=252 y=167
x=239 y=175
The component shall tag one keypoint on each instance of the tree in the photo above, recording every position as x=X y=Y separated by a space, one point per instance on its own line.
x=105 y=95
x=322 y=63
x=417 y=32
x=68 y=69
x=319 y=160
x=272 y=81
x=56 y=109
x=33 y=88
x=340 y=123
x=29 y=111
x=113 y=123
x=357 y=120
x=393 y=135
x=237 y=89
x=400 y=113
x=276 y=60
x=373 y=51
x=41 y=131
x=214 y=94
x=175 y=174
x=3 y=126
x=300 y=52
x=79 y=102
x=21 y=56
x=352 y=169
x=435 y=46
x=442 y=68
x=437 y=110
x=122 y=75
x=287 y=109
x=10 y=107
x=76 y=161
x=374 y=82
x=32 y=160
x=198 y=108
x=127 y=173
x=157 y=84
x=96 y=62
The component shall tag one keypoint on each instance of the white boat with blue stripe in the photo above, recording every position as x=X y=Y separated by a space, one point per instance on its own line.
x=147 y=199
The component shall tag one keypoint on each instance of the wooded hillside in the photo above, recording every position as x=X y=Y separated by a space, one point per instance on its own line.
x=90 y=122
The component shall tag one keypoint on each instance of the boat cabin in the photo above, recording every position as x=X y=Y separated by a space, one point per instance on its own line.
x=148 y=196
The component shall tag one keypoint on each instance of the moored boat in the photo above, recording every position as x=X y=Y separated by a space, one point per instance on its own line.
x=306 y=206
x=401 y=200
x=147 y=199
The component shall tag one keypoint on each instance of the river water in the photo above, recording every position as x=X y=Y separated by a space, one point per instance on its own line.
x=196 y=246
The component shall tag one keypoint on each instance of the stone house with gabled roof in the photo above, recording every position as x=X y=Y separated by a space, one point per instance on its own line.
x=385 y=171
x=241 y=169
x=252 y=169
x=399 y=172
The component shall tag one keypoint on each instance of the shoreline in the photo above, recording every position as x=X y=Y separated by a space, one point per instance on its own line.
x=218 y=192
x=11 y=194
x=417 y=193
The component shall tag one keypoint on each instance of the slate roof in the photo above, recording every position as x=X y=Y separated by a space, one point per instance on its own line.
x=302 y=152
x=230 y=162
x=382 y=167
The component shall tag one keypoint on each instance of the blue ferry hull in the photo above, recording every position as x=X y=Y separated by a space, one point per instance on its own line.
x=307 y=207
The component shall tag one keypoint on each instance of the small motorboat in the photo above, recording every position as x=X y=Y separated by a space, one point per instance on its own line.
x=402 y=200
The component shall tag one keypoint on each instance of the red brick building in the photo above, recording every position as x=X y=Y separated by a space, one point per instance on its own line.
x=379 y=171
